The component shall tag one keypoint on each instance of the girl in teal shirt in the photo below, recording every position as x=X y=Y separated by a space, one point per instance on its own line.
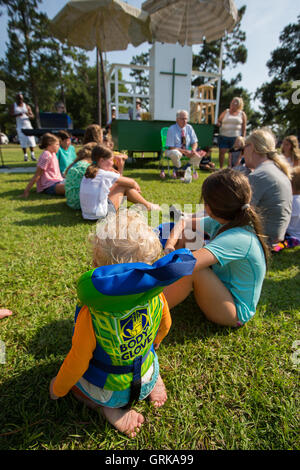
x=227 y=293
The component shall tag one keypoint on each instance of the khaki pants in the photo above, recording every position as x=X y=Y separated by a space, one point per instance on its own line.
x=175 y=155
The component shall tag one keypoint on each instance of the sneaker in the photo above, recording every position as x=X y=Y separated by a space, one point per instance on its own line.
x=162 y=175
x=175 y=213
x=174 y=175
x=195 y=175
x=25 y=157
x=33 y=158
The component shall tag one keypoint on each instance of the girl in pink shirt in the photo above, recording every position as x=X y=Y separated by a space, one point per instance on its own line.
x=47 y=177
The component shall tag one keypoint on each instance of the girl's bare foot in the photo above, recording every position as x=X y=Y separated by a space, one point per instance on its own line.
x=158 y=396
x=153 y=207
x=125 y=421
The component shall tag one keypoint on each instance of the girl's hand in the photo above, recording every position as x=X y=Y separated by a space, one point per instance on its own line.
x=156 y=346
x=52 y=394
x=25 y=194
x=168 y=249
x=136 y=186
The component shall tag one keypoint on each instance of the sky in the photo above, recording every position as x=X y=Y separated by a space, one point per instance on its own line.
x=263 y=22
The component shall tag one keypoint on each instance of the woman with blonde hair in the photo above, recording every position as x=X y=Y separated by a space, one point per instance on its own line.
x=290 y=149
x=270 y=182
x=232 y=123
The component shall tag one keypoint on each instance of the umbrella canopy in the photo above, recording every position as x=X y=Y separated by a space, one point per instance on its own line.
x=109 y=25
x=190 y=21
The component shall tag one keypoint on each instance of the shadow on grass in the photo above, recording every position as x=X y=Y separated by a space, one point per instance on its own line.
x=52 y=339
x=189 y=322
x=55 y=214
x=30 y=419
x=281 y=292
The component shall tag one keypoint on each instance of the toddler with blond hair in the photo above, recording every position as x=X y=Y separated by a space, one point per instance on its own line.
x=121 y=319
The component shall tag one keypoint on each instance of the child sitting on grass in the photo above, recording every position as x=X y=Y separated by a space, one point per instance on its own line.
x=102 y=188
x=292 y=236
x=206 y=164
x=121 y=320
x=236 y=153
x=119 y=158
x=47 y=177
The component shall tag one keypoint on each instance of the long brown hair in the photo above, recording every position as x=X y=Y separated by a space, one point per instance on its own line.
x=228 y=194
x=292 y=139
x=84 y=153
x=93 y=133
x=100 y=151
x=48 y=139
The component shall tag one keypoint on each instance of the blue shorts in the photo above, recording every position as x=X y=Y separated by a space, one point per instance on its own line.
x=51 y=190
x=225 y=142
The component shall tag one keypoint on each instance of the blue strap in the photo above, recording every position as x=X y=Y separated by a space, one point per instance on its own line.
x=112 y=369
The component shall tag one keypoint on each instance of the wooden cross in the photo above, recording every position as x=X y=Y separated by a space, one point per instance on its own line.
x=173 y=73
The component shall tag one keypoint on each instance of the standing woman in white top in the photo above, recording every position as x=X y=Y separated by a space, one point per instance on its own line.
x=23 y=113
x=232 y=124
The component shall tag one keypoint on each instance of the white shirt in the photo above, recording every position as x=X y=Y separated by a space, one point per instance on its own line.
x=294 y=226
x=94 y=193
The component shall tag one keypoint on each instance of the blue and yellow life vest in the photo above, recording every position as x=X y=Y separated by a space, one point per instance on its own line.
x=126 y=311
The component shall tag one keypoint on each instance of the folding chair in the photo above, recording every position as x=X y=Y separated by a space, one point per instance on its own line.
x=163 y=135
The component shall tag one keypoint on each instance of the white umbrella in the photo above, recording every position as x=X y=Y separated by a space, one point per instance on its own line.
x=109 y=25
x=190 y=21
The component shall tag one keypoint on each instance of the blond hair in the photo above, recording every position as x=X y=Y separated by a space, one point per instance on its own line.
x=124 y=237
x=292 y=139
x=240 y=139
x=264 y=143
x=240 y=101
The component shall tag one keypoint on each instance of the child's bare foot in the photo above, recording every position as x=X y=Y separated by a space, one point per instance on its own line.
x=153 y=207
x=158 y=396
x=125 y=421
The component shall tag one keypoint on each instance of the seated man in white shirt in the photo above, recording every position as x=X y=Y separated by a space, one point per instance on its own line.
x=182 y=141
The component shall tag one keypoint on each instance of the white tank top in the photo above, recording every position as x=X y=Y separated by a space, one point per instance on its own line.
x=22 y=121
x=232 y=125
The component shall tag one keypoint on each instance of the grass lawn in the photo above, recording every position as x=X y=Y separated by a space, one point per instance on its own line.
x=227 y=389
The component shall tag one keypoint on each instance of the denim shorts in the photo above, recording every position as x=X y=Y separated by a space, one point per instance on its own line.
x=51 y=190
x=226 y=142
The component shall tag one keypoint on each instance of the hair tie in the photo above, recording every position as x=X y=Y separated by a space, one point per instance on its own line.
x=245 y=206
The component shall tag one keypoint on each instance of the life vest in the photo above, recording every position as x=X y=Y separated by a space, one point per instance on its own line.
x=126 y=311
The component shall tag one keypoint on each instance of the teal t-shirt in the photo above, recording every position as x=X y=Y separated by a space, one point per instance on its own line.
x=241 y=264
x=65 y=157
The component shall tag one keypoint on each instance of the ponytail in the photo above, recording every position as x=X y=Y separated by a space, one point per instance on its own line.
x=279 y=162
x=99 y=151
x=92 y=170
x=264 y=143
x=228 y=194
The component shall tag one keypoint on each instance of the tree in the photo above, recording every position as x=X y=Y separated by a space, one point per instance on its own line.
x=234 y=50
x=43 y=68
x=278 y=97
x=27 y=43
